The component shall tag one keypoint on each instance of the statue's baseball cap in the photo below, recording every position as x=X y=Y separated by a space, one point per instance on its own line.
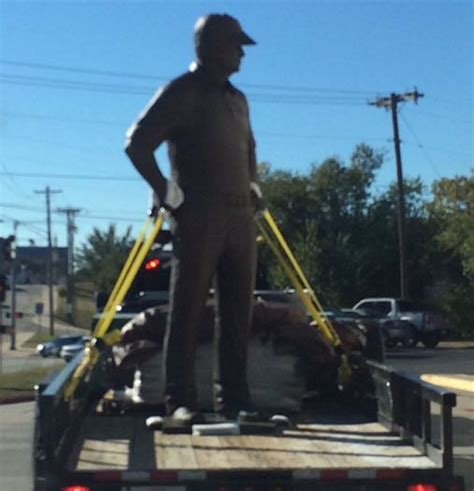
x=220 y=26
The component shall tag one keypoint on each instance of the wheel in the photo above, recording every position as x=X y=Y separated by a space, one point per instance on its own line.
x=410 y=339
x=431 y=340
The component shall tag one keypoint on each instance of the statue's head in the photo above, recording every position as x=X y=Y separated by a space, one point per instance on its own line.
x=219 y=39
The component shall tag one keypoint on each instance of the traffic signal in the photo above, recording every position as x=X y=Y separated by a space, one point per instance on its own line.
x=3 y=287
x=7 y=247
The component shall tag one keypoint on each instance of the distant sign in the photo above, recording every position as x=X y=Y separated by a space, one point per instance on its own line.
x=39 y=308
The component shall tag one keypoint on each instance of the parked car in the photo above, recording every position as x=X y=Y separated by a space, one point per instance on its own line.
x=423 y=322
x=394 y=331
x=69 y=351
x=53 y=347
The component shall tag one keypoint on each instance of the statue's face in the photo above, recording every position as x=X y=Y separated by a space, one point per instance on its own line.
x=229 y=54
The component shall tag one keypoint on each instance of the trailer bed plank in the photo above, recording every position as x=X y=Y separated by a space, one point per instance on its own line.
x=123 y=442
x=211 y=452
x=172 y=450
x=103 y=443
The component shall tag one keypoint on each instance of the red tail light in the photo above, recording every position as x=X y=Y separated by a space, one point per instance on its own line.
x=422 y=487
x=76 y=488
x=152 y=264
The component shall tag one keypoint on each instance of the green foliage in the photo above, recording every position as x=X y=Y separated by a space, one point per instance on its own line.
x=325 y=215
x=453 y=208
x=456 y=302
x=345 y=236
x=452 y=211
x=101 y=258
x=18 y=386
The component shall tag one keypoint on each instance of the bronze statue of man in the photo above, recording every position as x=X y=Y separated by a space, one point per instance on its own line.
x=205 y=121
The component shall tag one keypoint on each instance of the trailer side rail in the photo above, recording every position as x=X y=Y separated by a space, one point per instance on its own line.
x=57 y=419
x=405 y=405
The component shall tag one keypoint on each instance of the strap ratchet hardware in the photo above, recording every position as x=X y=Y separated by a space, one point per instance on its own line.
x=129 y=271
x=279 y=246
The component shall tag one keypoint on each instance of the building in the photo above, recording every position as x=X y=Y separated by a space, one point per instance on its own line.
x=32 y=265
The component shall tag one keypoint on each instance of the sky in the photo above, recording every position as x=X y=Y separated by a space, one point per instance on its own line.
x=75 y=74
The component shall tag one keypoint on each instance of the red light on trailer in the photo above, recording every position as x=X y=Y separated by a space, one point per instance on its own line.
x=152 y=264
x=76 y=488
x=422 y=487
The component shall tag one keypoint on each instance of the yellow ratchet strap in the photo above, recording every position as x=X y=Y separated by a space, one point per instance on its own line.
x=123 y=273
x=129 y=271
x=302 y=286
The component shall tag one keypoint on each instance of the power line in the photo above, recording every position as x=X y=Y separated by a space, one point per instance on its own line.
x=114 y=218
x=29 y=225
x=420 y=145
x=46 y=117
x=84 y=216
x=115 y=123
x=117 y=89
x=84 y=177
x=445 y=116
x=111 y=73
x=20 y=207
x=74 y=84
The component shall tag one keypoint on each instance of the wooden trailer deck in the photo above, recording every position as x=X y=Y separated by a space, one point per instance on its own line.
x=124 y=443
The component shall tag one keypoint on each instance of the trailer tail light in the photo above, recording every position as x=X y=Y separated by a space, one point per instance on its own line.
x=422 y=487
x=76 y=488
x=152 y=264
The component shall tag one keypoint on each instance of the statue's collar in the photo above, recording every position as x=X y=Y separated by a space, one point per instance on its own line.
x=211 y=74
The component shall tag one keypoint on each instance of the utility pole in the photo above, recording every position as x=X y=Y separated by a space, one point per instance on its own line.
x=48 y=193
x=71 y=230
x=392 y=102
x=13 y=286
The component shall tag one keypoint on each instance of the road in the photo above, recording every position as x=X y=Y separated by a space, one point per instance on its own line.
x=16 y=430
x=443 y=359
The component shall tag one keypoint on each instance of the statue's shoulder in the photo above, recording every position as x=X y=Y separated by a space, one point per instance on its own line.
x=181 y=85
x=238 y=93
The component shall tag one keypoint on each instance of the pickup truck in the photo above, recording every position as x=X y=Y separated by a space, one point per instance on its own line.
x=426 y=326
x=397 y=436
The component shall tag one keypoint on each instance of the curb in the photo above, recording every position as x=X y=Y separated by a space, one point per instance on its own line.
x=456 y=344
x=455 y=381
x=17 y=400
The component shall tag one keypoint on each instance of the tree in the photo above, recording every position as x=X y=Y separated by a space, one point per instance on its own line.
x=382 y=235
x=324 y=214
x=452 y=210
x=101 y=257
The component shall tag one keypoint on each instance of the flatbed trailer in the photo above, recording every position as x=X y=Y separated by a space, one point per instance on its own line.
x=406 y=444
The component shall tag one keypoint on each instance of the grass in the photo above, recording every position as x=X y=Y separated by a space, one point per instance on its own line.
x=21 y=384
x=39 y=337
